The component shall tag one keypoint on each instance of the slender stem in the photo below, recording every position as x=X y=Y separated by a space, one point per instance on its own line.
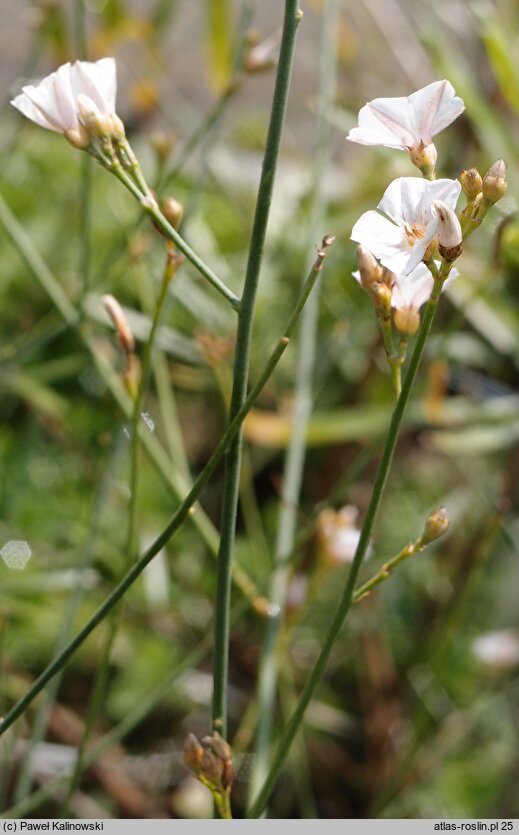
x=241 y=366
x=169 y=271
x=347 y=596
x=385 y=571
x=295 y=457
x=101 y=678
x=174 y=479
x=137 y=186
x=185 y=509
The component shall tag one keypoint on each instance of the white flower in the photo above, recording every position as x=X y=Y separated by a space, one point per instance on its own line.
x=401 y=239
x=61 y=100
x=408 y=122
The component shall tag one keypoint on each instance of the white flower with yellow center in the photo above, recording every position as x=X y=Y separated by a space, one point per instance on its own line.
x=399 y=233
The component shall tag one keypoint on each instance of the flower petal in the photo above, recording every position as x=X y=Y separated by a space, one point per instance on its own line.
x=384 y=122
x=384 y=239
x=25 y=105
x=414 y=289
x=96 y=80
x=434 y=107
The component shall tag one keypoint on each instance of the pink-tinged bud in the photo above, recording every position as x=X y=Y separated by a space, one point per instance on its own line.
x=494 y=182
x=406 y=319
x=436 y=525
x=471 y=183
x=450 y=237
x=424 y=157
x=369 y=268
x=124 y=334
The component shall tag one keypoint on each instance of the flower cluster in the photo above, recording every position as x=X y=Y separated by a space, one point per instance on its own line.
x=408 y=245
x=78 y=100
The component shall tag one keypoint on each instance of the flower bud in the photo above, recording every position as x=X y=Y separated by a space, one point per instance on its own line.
x=369 y=268
x=381 y=295
x=78 y=137
x=124 y=334
x=193 y=753
x=406 y=319
x=163 y=143
x=435 y=526
x=494 y=182
x=96 y=123
x=115 y=126
x=424 y=157
x=471 y=183
x=173 y=211
x=450 y=237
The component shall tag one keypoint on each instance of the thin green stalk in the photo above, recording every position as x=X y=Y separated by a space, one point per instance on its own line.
x=186 y=508
x=347 y=596
x=138 y=187
x=40 y=719
x=296 y=453
x=101 y=677
x=241 y=366
x=173 y=478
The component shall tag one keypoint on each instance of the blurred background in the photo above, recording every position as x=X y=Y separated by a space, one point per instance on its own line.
x=418 y=713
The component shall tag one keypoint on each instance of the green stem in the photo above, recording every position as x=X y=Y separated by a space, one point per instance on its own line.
x=185 y=509
x=142 y=193
x=173 y=478
x=385 y=571
x=347 y=596
x=101 y=678
x=241 y=366
x=295 y=456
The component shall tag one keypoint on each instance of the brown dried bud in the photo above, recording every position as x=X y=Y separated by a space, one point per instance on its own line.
x=193 y=753
x=471 y=183
x=211 y=760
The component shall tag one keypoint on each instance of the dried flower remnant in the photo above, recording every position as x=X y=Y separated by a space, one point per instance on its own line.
x=409 y=122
